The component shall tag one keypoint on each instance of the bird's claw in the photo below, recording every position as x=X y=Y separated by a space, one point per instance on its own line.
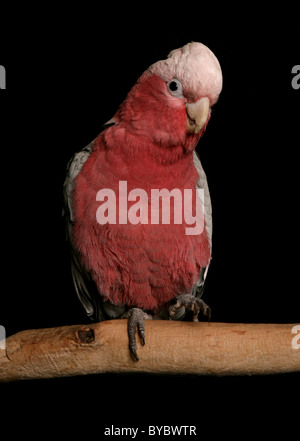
x=136 y=319
x=192 y=303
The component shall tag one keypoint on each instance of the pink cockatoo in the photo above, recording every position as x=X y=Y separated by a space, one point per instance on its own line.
x=143 y=269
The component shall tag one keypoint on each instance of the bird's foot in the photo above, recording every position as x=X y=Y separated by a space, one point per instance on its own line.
x=136 y=319
x=192 y=303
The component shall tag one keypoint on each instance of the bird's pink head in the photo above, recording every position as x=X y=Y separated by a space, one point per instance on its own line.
x=171 y=102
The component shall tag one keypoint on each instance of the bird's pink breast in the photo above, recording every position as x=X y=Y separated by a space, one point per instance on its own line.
x=141 y=265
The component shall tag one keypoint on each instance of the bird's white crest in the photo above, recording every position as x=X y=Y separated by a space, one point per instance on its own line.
x=196 y=67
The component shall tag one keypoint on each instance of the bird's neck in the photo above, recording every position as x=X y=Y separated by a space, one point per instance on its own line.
x=143 y=165
x=136 y=148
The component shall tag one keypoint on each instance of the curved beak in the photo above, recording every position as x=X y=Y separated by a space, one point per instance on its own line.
x=197 y=114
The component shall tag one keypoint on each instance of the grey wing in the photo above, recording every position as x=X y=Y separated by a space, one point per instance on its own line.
x=83 y=283
x=202 y=183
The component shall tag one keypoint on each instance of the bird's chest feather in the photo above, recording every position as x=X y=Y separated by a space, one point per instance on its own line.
x=131 y=230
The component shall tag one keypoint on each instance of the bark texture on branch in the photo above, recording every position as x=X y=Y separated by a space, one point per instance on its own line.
x=171 y=347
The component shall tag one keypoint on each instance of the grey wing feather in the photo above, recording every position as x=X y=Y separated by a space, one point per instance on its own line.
x=202 y=183
x=83 y=283
x=73 y=168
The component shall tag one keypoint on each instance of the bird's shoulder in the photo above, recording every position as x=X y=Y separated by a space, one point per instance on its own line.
x=73 y=169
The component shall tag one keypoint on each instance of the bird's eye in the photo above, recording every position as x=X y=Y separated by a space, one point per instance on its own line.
x=175 y=88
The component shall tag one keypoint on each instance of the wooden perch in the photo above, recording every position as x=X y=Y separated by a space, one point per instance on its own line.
x=171 y=347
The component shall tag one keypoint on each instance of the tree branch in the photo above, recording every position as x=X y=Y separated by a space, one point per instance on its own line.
x=171 y=348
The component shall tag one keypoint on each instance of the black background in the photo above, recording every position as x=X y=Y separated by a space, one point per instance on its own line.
x=67 y=73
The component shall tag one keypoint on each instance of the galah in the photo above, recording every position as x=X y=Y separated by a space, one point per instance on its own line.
x=143 y=269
